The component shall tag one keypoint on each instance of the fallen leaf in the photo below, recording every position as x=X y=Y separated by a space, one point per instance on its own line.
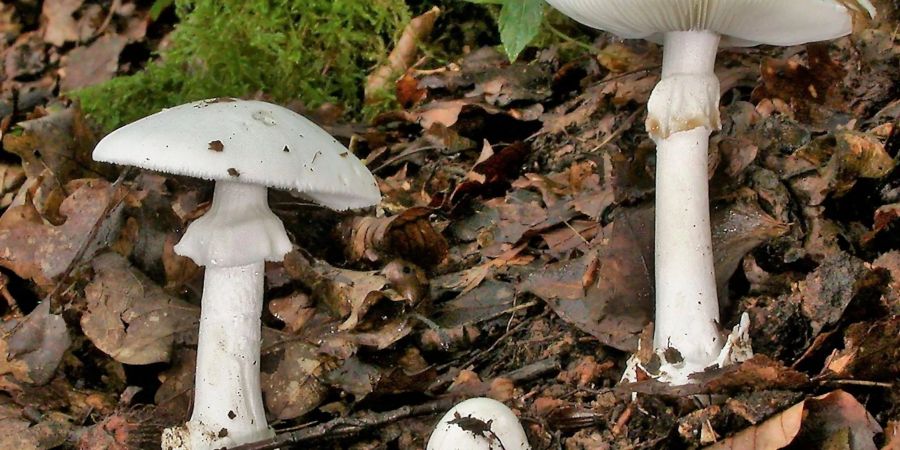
x=42 y=252
x=408 y=235
x=291 y=371
x=34 y=346
x=60 y=24
x=811 y=424
x=17 y=432
x=92 y=64
x=871 y=352
x=132 y=319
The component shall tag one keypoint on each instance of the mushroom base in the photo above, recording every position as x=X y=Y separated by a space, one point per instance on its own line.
x=678 y=373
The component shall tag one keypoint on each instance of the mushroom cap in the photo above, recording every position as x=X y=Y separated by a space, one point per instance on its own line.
x=740 y=22
x=248 y=142
x=453 y=433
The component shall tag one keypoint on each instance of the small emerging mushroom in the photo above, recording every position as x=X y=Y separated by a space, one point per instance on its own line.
x=682 y=112
x=478 y=424
x=240 y=145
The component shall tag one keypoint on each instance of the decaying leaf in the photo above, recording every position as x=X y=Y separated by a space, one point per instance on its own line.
x=32 y=347
x=834 y=420
x=408 y=235
x=294 y=310
x=291 y=371
x=131 y=318
x=42 y=252
x=60 y=140
x=871 y=351
x=92 y=64
x=607 y=293
x=18 y=432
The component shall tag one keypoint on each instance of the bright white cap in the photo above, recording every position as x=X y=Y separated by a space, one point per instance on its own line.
x=740 y=22
x=247 y=142
x=494 y=424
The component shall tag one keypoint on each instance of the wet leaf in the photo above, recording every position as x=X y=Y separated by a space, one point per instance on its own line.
x=131 y=318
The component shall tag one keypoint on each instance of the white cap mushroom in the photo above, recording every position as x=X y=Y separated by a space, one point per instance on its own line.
x=478 y=424
x=245 y=146
x=682 y=112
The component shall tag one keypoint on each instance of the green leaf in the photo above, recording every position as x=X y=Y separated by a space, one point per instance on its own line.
x=520 y=22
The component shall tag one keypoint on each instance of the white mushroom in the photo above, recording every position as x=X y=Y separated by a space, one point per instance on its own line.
x=478 y=424
x=245 y=146
x=682 y=112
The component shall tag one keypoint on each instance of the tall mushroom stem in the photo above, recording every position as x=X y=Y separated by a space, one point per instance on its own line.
x=233 y=240
x=227 y=393
x=683 y=111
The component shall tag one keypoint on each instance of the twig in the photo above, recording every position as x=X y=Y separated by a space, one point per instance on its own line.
x=348 y=426
x=866 y=383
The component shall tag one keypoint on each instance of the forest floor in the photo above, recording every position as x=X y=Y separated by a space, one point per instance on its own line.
x=511 y=255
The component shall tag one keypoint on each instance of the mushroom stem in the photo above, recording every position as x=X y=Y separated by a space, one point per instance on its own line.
x=233 y=240
x=683 y=111
x=687 y=310
x=226 y=387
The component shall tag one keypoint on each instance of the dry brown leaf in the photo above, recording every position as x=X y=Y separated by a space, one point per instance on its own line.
x=17 y=432
x=831 y=418
x=92 y=64
x=294 y=310
x=290 y=376
x=60 y=141
x=132 y=319
x=60 y=25
x=11 y=177
x=871 y=351
x=32 y=347
x=41 y=252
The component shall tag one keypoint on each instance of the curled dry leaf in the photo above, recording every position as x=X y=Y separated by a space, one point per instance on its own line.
x=32 y=347
x=408 y=235
x=372 y=312
x=833 y=420
x=41 y=252
x=131 y=318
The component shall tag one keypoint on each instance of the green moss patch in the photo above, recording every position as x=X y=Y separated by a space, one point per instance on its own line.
x=313 y=50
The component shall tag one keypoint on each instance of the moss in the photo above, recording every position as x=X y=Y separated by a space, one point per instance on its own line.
x=313 y=50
